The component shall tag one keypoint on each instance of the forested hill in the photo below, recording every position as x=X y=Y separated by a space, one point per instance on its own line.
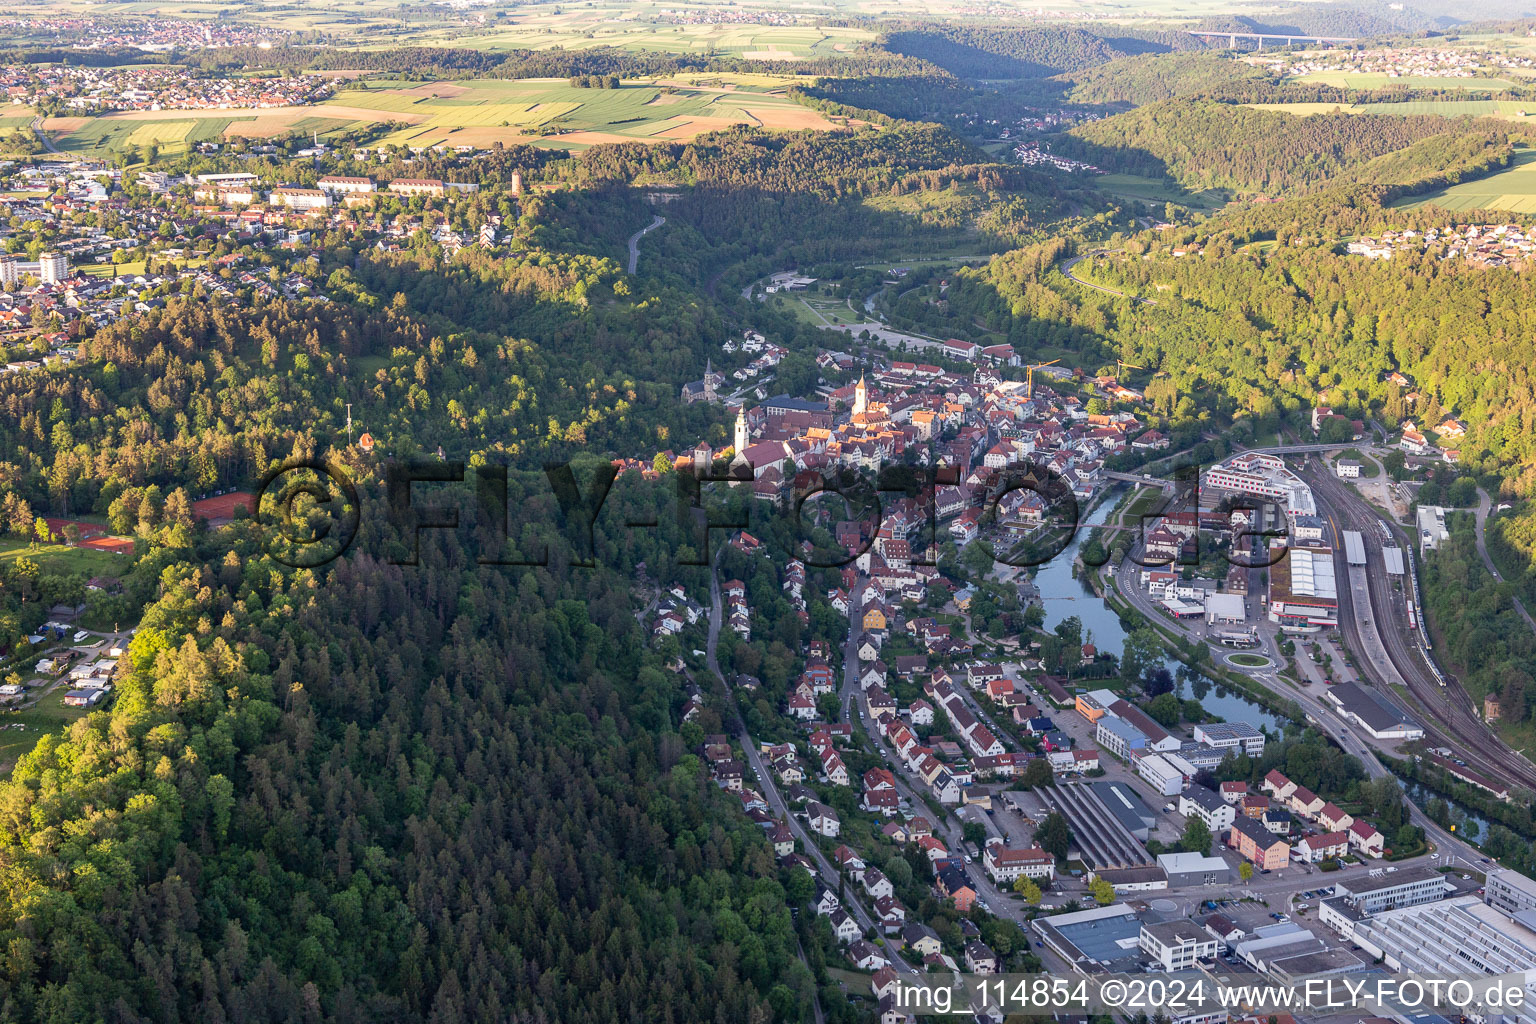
x=1205 y=144
x=373 y=792
x=1150 y=78
x=1025 y=52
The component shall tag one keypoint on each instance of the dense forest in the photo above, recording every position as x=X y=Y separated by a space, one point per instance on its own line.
x=1206 y=144
x=991 y=52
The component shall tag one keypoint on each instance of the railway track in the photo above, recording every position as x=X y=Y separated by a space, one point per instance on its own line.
x=1449 y=714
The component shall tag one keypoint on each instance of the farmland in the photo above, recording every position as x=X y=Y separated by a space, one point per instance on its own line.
x=1509 y=110
x=1350 y=80
x=471 y=113
x=1512 y=189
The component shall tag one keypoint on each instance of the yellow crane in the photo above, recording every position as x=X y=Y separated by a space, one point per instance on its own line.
x=1029 y=384
x=1123 y=364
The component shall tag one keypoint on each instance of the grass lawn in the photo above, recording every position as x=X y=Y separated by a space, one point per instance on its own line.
x=1368 y=466
x=61 y=559
x=51 y=716
x=1158 y=190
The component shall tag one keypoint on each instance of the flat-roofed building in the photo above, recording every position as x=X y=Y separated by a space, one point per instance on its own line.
x=1510 y=891
x=1303 y=593
x=1177 y=944
x=1187 y=869
x=1231 y=736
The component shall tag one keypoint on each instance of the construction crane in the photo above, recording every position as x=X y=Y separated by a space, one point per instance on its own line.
x=1029 y=385
x=1123 y=364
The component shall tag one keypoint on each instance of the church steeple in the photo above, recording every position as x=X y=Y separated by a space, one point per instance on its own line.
x=743 y=438
x=709 y=379
x=860 y=396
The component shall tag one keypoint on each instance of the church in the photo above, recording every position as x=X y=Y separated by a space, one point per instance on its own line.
x=704 y=390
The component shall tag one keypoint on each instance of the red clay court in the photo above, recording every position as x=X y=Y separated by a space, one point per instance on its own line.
x=92 y=535
x=221 y=509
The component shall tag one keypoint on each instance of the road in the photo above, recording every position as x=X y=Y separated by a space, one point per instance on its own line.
x=852 y=895
x=634 y=240
x=1066 y=270
x=1484 y=505
x=1449 y=710
x=1320 y=714
x=37 y=127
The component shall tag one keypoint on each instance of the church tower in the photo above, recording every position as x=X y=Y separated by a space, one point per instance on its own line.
x=743 y=439
x=709 y=380
x=860 y=396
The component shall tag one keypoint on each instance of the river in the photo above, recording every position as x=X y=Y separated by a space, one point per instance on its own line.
x=1063 y=595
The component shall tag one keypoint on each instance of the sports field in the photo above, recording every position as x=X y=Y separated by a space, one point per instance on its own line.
x=1512 y=189
x=470 y=113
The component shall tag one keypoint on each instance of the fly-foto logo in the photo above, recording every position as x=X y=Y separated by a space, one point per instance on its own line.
x=1025 y=515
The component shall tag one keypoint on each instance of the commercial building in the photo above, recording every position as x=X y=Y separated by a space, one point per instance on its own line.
x=1461 y=935
x=1186 y=869
x=1238 y=736
x=1264 y=476
x=1119 y=737
x=1177 y=944
x=1161 y=774
x=1158 y=738
x=1006 y=864
x=1373 y=713
x=1286 y=951
x=1095 y=941
x=1381 y=890
x=1510 y=891
x=1303 y=593
x=1127 y=808
x=1141 y=878
x=1432 y=528
x=1108 y=827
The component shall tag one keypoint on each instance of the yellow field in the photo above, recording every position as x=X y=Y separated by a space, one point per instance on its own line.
x=472 y=113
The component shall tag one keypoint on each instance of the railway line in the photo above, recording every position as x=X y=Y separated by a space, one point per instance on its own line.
x=1450 y=717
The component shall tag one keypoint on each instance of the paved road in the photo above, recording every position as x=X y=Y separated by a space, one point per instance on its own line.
x=1378 y=619
x=852 y=896
x=37 y=126
x=1484 y=504
x=1066 y=269
x=634 y=240
x=1320 y=714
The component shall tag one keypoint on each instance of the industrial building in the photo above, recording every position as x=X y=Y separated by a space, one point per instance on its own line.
x=1096 y=941
x=1186 y=869
x=1109 y=822
x=1303 y=593
x=1510 y=891
x=1373 y=713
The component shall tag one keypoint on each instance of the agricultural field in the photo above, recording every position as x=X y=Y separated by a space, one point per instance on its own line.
x=1512 y=189
x=469 y=113
x=1509 y=110
x=1348 y=80
x=1158 y=190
